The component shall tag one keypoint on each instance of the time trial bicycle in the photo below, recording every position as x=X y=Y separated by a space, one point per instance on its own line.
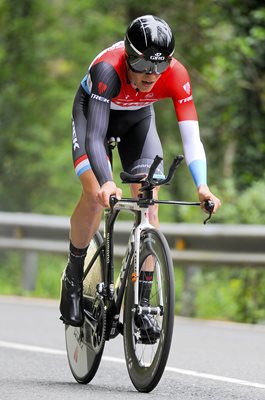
x=139 y=304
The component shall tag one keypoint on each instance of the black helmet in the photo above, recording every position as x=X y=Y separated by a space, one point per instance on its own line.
x=149 y=44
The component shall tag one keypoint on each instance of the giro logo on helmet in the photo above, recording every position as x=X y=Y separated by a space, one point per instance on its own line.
x=157 y=57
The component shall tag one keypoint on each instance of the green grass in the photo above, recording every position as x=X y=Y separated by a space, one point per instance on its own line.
x=49 y=272
x=225 y=293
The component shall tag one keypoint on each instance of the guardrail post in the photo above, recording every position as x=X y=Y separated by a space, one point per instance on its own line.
x=29 y=270
x=187 y=308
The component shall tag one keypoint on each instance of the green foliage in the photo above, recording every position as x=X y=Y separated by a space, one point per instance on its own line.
x=45 y=49
x=10 y=274
x=48 y=282
x=231 y=294
x=226 y=294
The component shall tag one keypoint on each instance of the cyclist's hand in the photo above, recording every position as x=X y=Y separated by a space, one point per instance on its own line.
x=204 y=193
x=109 y=188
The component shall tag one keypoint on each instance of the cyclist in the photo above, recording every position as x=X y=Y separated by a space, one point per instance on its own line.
x=115 y=99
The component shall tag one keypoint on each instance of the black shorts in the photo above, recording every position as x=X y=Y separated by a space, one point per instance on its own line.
x=139 y=142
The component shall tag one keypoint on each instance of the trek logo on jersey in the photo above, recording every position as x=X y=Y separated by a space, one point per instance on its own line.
x=181 y=101
x=157 y=57
x=75 y=142
x=186 y=87
x=100 y=98
x=102 y=87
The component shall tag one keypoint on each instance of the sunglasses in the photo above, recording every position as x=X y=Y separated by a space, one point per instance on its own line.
x=142 y=66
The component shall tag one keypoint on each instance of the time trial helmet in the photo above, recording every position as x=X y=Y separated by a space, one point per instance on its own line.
x=149 y=45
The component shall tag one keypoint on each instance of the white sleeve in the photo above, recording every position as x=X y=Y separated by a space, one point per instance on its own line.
x=192 y=145
x=194 y=151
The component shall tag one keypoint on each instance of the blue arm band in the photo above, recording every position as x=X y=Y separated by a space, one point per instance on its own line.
x=84 y=84
x=199 y=172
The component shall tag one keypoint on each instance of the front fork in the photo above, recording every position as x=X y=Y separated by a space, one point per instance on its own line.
x=159 y=310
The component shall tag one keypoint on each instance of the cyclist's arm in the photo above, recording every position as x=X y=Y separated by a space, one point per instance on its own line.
x=190 y=135
x=194 y=151
x=196 y=160
x=105 y=86
x=189 y=126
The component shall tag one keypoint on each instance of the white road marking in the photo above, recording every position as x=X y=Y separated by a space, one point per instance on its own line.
x=215 y=377
x=36 y=349
x=46 y=350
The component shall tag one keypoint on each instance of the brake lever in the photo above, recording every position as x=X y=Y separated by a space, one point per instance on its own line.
x=209 y=207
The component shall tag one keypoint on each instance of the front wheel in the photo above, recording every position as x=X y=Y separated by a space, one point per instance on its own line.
x=148 y=326
x=85 y=345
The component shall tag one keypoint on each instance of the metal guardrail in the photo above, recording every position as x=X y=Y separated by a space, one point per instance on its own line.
x=190 y=244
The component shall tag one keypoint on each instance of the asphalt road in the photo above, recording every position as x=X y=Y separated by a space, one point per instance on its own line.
x=208 y=360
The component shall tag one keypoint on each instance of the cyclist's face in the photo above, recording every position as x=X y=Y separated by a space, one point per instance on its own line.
x=144 y=82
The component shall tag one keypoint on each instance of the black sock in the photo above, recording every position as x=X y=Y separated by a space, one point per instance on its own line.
x=75 y=266
x=145 y=286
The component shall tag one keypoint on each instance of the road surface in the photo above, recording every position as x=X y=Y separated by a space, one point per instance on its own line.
x=208 y=360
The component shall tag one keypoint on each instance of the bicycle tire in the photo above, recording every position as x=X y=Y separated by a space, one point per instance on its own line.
x=85 y=344
x=146 y=360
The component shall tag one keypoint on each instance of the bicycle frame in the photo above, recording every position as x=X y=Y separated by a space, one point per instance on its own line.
x=140 y=208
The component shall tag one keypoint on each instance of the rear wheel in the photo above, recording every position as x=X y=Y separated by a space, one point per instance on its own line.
x=148 y=329
x=85 y=345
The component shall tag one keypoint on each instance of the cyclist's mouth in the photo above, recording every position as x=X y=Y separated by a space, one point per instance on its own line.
x=147 y=83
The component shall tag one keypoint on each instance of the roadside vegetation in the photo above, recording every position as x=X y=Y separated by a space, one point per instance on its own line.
x=45 y=49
